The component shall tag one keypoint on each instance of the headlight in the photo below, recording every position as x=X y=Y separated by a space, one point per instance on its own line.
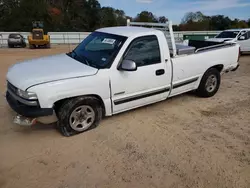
x=26 y=94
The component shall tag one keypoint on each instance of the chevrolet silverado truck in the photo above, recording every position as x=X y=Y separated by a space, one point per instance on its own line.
x=113 y=70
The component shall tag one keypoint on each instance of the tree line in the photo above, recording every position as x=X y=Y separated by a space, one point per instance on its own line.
x=88 y=15
x=198 y=21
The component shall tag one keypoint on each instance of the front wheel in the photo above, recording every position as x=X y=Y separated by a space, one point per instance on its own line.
x=210 y=83
x=79 y=115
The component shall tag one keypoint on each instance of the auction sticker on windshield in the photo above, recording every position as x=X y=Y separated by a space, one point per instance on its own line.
x=108 y=41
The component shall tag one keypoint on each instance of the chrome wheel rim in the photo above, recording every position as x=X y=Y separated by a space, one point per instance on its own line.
x=211 y=83
x=82 y=118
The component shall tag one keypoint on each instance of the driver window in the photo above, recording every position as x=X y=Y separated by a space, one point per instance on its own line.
x=144 y=51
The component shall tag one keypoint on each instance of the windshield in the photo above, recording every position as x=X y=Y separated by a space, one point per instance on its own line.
x=98 y=49
x=228 y=34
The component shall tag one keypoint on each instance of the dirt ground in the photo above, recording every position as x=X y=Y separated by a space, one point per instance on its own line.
x=185 y=141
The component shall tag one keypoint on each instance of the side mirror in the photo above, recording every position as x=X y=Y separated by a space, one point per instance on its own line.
x=242 y=38
x=128 y=65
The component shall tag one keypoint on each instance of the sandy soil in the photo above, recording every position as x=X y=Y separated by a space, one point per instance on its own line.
x=183 y=142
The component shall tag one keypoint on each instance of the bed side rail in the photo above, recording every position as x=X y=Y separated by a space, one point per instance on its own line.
x=214 y=46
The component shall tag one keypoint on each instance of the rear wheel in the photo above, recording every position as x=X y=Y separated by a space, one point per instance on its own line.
x=11 y=45
x=79 y=115
x=210 y=83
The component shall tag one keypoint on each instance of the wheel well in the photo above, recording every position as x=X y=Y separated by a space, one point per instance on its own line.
x=59 y=103
x=218 y=67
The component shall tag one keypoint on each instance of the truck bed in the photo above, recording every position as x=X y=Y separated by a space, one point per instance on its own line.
x=202 y=44
x=195 y=46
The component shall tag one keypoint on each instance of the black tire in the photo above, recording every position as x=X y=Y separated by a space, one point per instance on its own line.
x=48 y=45
x=24 y=45
x=11 y=45
x=204 y=90
x=32 y=46
x=70 y=106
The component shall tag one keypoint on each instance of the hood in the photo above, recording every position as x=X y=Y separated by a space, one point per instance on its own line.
x=47 y=69
x=220 y=39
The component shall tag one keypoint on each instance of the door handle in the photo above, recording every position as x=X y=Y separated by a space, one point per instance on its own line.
x=159 y=72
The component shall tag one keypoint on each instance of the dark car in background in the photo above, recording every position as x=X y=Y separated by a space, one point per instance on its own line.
x=16 y=40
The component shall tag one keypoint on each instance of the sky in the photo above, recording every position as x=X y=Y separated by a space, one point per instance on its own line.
x=175 y=9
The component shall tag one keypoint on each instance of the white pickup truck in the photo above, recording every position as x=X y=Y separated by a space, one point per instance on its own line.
x=114 y=70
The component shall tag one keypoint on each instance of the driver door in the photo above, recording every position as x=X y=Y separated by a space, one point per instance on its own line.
x=148 y=84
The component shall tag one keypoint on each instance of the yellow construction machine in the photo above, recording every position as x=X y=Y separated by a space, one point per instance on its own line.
x=38 y=37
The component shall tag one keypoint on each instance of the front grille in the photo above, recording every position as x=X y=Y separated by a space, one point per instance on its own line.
x=11 y=87
x=38 y=35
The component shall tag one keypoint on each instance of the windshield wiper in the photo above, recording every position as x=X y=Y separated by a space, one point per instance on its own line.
x=90 y=63
x=75 y=56
x=82 y=59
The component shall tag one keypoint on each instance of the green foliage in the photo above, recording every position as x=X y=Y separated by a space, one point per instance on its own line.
x=220 y=22
x=146 y=16
x=198 y=22
x=239 y=24
x=162 y=19
x=176 y=28
x=57 y=15
x=112 y=17
x=108 y=17
x=88 y=15
x=21 y=14
x=121 y=18
x=191 y=17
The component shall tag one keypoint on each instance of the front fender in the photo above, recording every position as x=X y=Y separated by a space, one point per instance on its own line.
x=49 y=93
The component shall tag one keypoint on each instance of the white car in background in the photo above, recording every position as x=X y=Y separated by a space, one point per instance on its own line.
x=241 y=36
